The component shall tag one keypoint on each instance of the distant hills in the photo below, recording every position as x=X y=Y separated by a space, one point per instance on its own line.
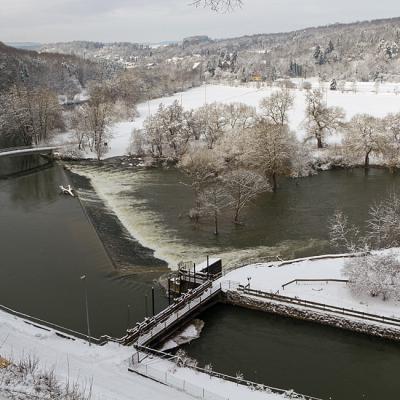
x=25 y=45
x=367 y=50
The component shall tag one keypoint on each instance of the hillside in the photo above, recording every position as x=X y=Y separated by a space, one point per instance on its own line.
x=367 y=50
x=65 y=74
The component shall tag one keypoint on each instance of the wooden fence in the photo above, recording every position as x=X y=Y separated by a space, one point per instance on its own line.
x=314 y=280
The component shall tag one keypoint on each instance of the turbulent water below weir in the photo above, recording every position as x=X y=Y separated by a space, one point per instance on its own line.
x=153 y=206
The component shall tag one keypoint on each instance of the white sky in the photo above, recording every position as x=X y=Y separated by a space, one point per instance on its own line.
x=159 y=20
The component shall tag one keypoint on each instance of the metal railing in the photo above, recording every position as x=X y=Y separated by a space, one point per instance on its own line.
x=61 y=331
x=27 y=149
x=213 y=374
x=145 y=331
x=321 y=306
x=314 y=280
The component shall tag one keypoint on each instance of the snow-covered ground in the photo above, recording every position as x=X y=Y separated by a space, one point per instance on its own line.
x=106 y=366
x=270 y=278
x=365 y=100
x=166 y=371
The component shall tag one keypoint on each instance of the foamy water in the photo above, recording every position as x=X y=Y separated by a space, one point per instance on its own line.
x=118 y=189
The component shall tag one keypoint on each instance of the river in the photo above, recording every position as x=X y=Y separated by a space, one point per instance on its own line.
x=47 y=243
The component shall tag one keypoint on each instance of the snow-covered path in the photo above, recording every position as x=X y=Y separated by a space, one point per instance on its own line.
x=106 y=367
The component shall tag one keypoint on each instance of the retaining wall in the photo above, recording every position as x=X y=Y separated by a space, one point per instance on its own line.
x=238 y=299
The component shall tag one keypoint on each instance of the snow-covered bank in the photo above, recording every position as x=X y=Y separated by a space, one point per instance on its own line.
x=273 y=278
x=167 y=372
x=364 y=100
x=105 y=367
x=104 y=370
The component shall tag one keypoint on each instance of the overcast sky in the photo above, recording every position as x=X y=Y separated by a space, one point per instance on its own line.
x=159 y=20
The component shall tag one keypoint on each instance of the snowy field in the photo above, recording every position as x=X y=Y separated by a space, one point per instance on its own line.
x=365 y=100
x=271 y=277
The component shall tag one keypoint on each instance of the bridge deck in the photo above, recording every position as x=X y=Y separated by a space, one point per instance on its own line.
x=161 y=324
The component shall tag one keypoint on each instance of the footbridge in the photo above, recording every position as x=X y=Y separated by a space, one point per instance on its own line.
x=153 y=331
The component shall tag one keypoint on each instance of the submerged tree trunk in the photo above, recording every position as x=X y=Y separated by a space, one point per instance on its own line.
x=216 y=232
x=274 y=182
x=366 y=162
x=319 y=142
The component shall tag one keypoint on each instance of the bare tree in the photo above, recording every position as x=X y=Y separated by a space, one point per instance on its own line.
x=202 y=166
x=344 y=235
x=321 y=120
x=214 y=199
x=391 y=124
x=383 y=223
x=276 y=107
x=29 y=115
x=95 y=118
x=244 y=186
x=218 y=5
x=269 y=149
x=239 y=115
x=364 y=136
x=211 y=121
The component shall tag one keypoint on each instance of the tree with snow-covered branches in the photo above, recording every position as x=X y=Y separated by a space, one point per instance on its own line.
x=276 y=107
x=29 y=115
x=391 y=126
x=269 y=148
x=374 y=275
x=211 y=121
x=95 y=117
x=364 y=136
x=238 y=115
x=214 y=199
x=321 y=120
x=243 y=186
x=202 y=166
x=218 y=5
x=344 y=235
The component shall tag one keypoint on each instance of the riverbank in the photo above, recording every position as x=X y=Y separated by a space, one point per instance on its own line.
x=313 y=289
x=102 y=372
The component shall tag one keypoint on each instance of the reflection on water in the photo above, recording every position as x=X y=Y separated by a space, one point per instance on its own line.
x=153 y=206
x=14 y=165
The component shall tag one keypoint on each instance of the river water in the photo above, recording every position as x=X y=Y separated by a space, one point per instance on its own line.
x=47 y=242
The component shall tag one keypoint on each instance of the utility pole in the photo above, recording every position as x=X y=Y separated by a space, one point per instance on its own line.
x=152 y=300
x=145 y=305
x=83 y=279
x=128 y=321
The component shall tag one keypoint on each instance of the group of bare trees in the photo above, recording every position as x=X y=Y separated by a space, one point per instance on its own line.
x=363 y=136
x=29 y=115
x=374 y=273
x=230 y=152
